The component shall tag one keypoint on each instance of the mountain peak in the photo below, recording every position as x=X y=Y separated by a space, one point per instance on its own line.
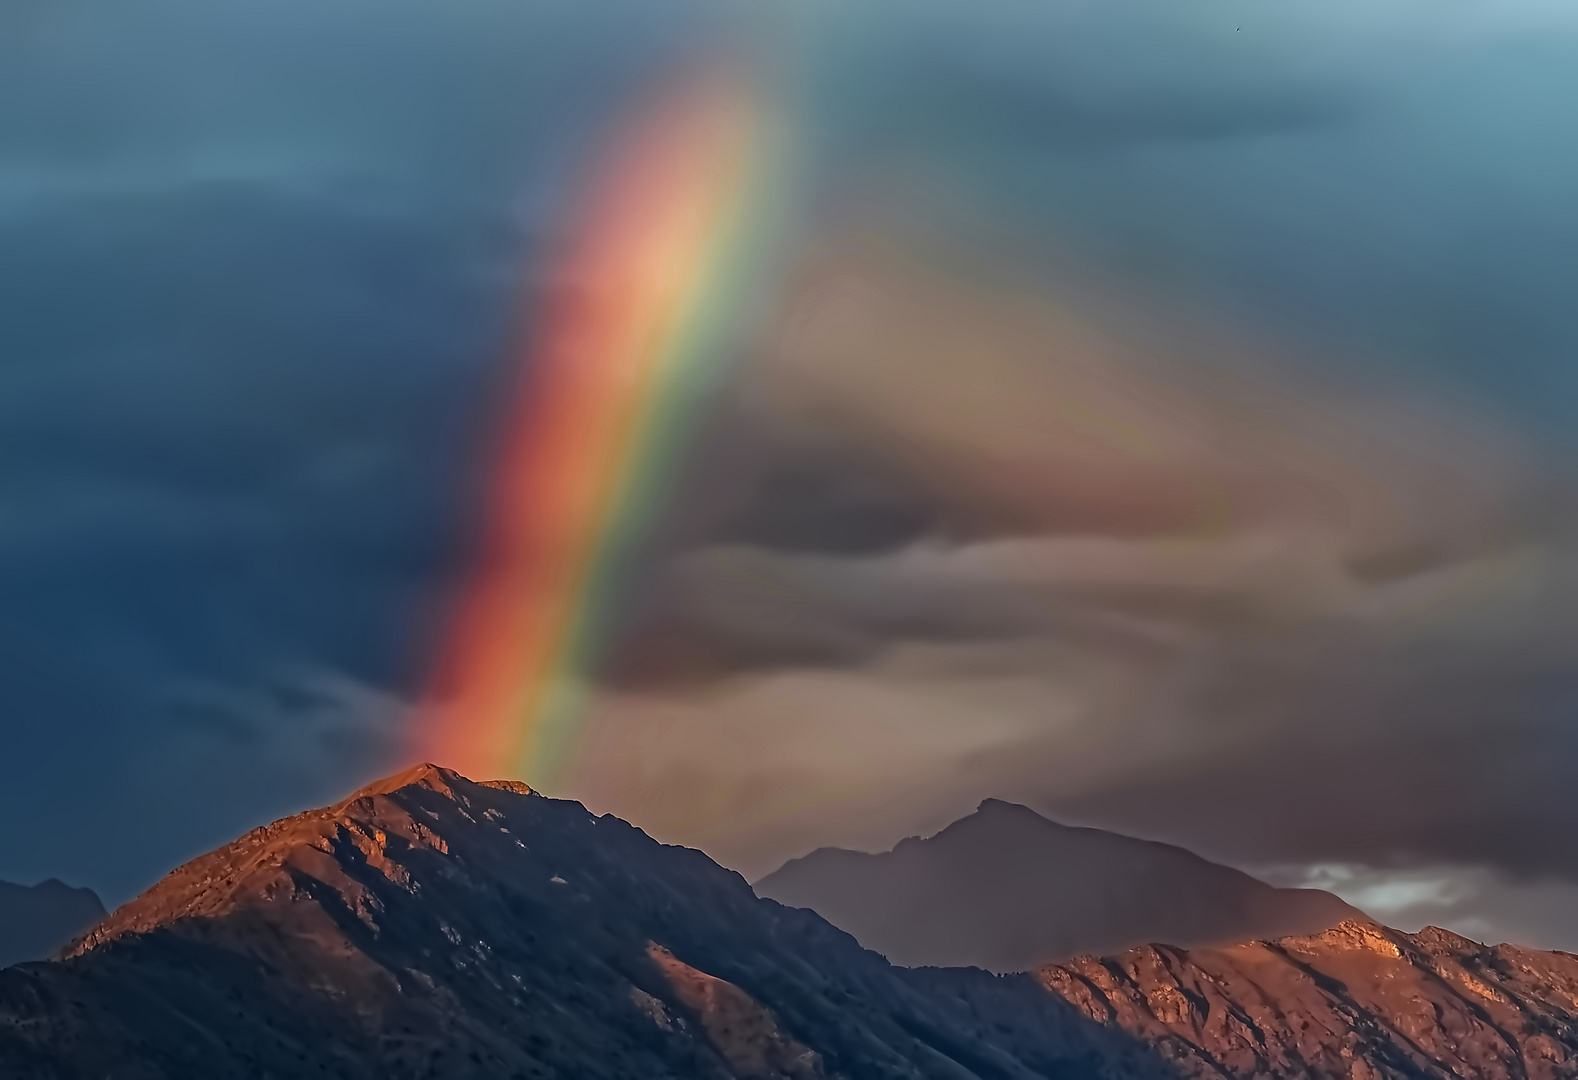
x=1007 y=889
x=430 y=925
x=434 y=926
x=1002 y=806
x=426 y=774
x=437 y=778
x=1011 y=814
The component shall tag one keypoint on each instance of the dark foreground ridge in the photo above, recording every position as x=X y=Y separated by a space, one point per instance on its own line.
x=430 y=926
x=1008 y=890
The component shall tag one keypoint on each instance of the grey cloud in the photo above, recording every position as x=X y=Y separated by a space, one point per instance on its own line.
x=256 y=266
x=825 y=506
x=1340 y=738
x=1477 y=901
x=232 y=416
x=992 y=106
x=1016 y=83
x=413 y=93
x=1356 y=648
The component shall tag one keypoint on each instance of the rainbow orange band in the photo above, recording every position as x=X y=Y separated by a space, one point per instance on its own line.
x=633 y=340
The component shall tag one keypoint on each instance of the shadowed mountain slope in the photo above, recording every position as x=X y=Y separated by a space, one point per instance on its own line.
x=38 y=920
x=430 y=926
x=1008 y=890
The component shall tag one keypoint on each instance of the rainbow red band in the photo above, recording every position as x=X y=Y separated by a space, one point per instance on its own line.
x=635 y=336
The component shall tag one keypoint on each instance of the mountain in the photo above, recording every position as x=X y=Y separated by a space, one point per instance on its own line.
x=433 y=927
x=1007 y=890
x=429 y=926
x=37 y=920
x=1358 y=1002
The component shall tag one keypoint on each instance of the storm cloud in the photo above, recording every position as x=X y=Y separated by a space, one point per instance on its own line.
x=1162 y=416
x=1167 y=581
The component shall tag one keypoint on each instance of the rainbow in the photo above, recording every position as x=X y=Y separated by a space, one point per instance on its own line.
x=633 y=338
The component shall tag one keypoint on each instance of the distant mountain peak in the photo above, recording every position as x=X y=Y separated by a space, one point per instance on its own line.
x=1001 y=808
x=1007 y=889
x=38 y=920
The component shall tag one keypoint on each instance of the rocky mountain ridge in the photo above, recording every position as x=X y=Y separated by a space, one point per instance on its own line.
x=430 y=926
x=1359 y=1000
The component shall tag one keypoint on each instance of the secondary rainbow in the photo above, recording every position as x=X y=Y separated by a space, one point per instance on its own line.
x=634 y=336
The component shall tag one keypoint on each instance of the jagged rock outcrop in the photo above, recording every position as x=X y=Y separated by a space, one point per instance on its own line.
x=1359 y=1002
x=1008 y=890
x=37 y=920
x=430 y=926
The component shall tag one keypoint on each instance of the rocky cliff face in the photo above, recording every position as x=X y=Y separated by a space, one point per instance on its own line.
x=1359 y=1002
x=434 y=927
x=1008 y=890
x=37 y=920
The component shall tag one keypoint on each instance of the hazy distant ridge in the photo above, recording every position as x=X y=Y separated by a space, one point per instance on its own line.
x=1008 y=890
x=37 y=920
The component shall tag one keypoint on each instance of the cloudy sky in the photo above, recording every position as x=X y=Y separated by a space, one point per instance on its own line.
x=1159 y=413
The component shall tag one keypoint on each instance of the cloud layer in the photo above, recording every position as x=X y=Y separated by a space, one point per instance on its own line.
x=1152 y=576
x=1163 y=418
